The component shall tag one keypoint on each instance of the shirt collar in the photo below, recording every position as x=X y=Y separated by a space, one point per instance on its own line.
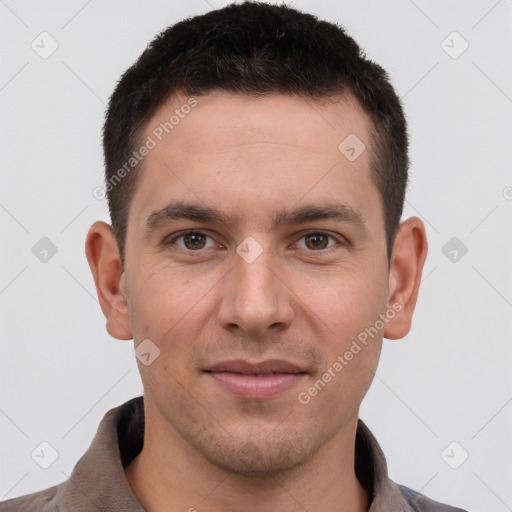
x=98 y=477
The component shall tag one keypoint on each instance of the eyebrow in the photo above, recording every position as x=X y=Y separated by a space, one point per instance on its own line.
x=341 y=212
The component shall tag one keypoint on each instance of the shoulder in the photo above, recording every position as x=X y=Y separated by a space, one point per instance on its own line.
x=419 y=503
x=40 y=501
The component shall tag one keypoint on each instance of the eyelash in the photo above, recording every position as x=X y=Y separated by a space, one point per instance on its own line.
x=340 y=240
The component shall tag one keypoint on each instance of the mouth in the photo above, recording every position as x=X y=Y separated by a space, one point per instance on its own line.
x=256 y=381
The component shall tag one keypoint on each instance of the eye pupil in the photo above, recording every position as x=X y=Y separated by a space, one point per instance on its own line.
x=196 y=240
x=319 y=241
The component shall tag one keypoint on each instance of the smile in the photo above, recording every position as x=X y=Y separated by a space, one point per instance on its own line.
x=256 y=381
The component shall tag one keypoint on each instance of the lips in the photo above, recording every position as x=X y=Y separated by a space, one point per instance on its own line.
x=261 y=368
x=256 y=381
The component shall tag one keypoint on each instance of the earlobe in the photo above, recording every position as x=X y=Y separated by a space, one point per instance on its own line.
x=104 y=260
x=407 y=261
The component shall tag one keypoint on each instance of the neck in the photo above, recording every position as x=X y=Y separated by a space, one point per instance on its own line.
x=170 y=475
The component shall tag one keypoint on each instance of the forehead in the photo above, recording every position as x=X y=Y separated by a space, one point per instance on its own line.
x=238 y=153
x=219 y=120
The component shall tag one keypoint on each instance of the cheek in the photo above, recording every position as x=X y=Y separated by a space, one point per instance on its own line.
x=346 y=309
x=345 y=303
x=351 y=349
x=163 y=299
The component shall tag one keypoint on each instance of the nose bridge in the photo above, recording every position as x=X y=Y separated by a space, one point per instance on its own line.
x=255 y=298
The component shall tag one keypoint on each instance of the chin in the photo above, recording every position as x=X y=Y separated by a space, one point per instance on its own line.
x=260 y=457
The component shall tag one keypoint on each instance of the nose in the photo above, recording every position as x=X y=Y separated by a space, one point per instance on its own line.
x=256 y=298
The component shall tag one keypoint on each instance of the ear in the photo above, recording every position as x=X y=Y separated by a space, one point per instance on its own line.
x=104 y=260
x=407 y=260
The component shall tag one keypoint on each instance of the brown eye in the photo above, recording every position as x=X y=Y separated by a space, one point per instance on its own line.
x=193 y=241
x=316 y=241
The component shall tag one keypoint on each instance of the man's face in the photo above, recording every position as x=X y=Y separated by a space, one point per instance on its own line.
x=299 y=289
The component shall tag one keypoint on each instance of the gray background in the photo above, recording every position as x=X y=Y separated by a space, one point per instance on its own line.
x=448 y=380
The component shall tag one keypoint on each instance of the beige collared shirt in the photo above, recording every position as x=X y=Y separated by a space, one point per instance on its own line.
x=98 y=482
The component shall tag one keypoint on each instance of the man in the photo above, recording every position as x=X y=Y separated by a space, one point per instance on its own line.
x=256 y=169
